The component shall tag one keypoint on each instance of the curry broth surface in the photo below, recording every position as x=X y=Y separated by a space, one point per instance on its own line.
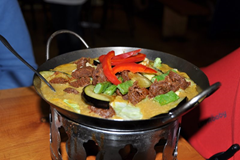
x=148 y=107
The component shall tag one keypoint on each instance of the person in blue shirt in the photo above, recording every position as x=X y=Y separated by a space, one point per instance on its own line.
x=13 y=72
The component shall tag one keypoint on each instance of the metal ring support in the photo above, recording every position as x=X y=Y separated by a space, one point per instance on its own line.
x=60 y=32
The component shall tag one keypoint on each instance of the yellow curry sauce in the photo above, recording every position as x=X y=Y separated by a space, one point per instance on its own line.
x=74 y=102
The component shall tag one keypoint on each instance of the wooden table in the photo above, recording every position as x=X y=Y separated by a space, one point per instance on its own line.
x=24 y=133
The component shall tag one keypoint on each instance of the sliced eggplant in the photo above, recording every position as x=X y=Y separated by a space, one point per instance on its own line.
x=142 y=81
x=95 y=99
x=96 y=62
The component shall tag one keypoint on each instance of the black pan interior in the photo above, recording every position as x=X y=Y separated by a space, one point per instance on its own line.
x=194 y=72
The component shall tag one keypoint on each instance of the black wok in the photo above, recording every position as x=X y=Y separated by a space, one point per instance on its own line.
x=194 y=72
x=123 y=125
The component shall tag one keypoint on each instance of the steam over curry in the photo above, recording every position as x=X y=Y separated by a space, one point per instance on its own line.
x=128 y=86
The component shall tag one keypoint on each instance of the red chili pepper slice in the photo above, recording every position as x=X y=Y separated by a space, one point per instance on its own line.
x=107 y=68
x=139 y=57
x=101 y=58
x=127 y=54
x=133 y=67
x=150 y=70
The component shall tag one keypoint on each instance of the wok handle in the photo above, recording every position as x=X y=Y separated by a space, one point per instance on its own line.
x=189 y=105
x=60 y=32
x=227 y=154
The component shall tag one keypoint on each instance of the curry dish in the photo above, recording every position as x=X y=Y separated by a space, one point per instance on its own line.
x=128 y=86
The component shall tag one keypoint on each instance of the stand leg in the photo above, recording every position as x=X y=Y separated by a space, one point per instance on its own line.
x=55 y=138
x=170 y=149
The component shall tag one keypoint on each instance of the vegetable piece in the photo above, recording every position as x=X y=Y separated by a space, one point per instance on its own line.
x=94 y=99
x=101 y=87
x=150 y=70
x=149 y=76
x=66 y=68
x=110 y=90
x=157 y=62
x=162 y=76
x=96 y=62
x=139 y=57
x=74 y=106
x=55 y=74
x=107 y=68
x=133 y=67
x=127 y=54
x=143 y=82
x=159 y=77
x=120 y=78
x=126 y=111
x=164 y=99
x=123 y=87
x=47 y=74
x=100 y=58
x=122 y=56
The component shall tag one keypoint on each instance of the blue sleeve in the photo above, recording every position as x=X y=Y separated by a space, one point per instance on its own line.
x=14 y=73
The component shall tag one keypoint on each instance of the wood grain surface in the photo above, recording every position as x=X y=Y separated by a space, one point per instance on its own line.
x=24 y=130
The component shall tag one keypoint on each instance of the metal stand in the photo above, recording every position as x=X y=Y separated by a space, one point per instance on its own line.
x=139 y=145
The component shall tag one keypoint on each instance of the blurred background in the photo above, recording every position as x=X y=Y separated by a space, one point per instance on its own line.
x=200 y=31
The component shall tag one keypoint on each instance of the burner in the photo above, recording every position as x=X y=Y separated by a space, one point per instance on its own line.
x=106 y=145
